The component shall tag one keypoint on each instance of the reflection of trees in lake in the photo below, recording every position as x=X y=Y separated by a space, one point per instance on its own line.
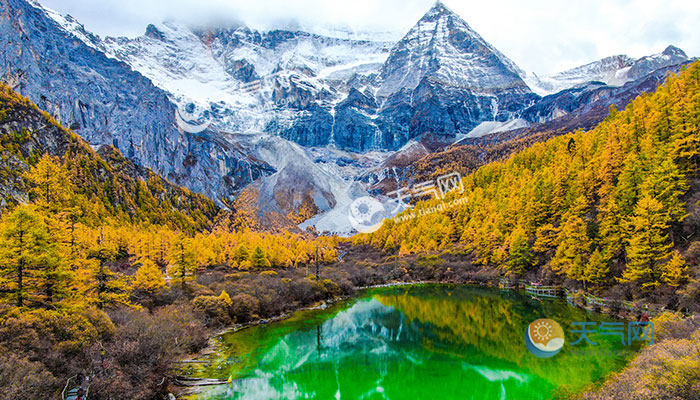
x=412 y=340
x=486 y=324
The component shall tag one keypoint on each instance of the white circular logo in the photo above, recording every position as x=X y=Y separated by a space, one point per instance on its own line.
x=366 y=214
x=192 y=119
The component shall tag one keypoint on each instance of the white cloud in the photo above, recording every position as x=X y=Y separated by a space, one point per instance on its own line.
x=539 y=35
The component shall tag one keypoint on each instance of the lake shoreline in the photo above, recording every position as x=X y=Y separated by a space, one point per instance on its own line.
x=194 y=358
x=317 y=306
x=193 y=389
x=326 y=303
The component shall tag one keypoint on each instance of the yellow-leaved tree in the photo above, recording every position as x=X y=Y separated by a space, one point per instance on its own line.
x=648 y=243
x=148 y=278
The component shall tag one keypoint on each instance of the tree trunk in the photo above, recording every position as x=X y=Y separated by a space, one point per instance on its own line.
x=101 y=286
x=20 y=272
x=317 y=268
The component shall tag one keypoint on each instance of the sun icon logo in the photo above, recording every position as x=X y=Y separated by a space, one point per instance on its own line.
x=543 y=330
x=544 y=338
x=366 y=214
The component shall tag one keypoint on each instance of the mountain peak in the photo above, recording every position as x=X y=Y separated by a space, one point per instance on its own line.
x=443 y=48
x=438 y=11
x=672 y=50
x=154 y=33
x=439 y=8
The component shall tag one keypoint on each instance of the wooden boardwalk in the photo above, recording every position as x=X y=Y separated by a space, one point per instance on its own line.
x=530 y=288
x=544 y=291
x=571 y=296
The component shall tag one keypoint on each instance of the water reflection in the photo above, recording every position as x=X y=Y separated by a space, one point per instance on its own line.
x=417 y=342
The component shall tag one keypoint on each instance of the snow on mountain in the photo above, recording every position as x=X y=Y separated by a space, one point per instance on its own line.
x=326 y=177
x=249 y=79
x=612 y=71
x=489 y=127
x=672 y=55
x=310 y=115
x=54 y=62
x=444 y=48
x=443 y=79
x=70 y=25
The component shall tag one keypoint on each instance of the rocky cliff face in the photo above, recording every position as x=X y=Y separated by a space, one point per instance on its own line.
x=107 y=103
x=442 y=79
x=585 y=97
x=281 y=82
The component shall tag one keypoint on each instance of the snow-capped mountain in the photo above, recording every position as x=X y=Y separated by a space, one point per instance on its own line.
x=443 y=78
x=442 y=48
x=318 y=90
x=253 y=81
x=612 y=71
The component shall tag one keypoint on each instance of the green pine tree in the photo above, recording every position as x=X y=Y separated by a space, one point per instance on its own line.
x=107 y=287
x=27 y=256
x=259 y=258
x=184 y=265
x=50 y=186
x=520 y=255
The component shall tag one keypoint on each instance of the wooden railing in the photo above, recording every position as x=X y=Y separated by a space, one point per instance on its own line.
x=544 y=291
x=572 y=296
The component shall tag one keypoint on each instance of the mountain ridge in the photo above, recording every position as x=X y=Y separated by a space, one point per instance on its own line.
x=613 y=70
x=322 y=93
x=108 y=103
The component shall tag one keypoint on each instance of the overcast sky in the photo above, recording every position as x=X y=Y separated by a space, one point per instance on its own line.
x=543 y=36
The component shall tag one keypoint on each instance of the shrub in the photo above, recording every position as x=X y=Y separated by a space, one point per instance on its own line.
x=137 y=362
x=225 y=298
x=330 y=288
x=24 y=379
x=670 y=325
x=215 y=309
x=54 y=336
x=305 y=291
x=667 y=370
x=244 y=307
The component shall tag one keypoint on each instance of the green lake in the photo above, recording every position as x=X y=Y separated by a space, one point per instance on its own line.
x=412 y=342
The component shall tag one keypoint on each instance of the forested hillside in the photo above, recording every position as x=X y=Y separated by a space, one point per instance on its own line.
x=616 y=204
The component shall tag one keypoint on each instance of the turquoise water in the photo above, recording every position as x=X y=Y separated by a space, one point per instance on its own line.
x=418 y=342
